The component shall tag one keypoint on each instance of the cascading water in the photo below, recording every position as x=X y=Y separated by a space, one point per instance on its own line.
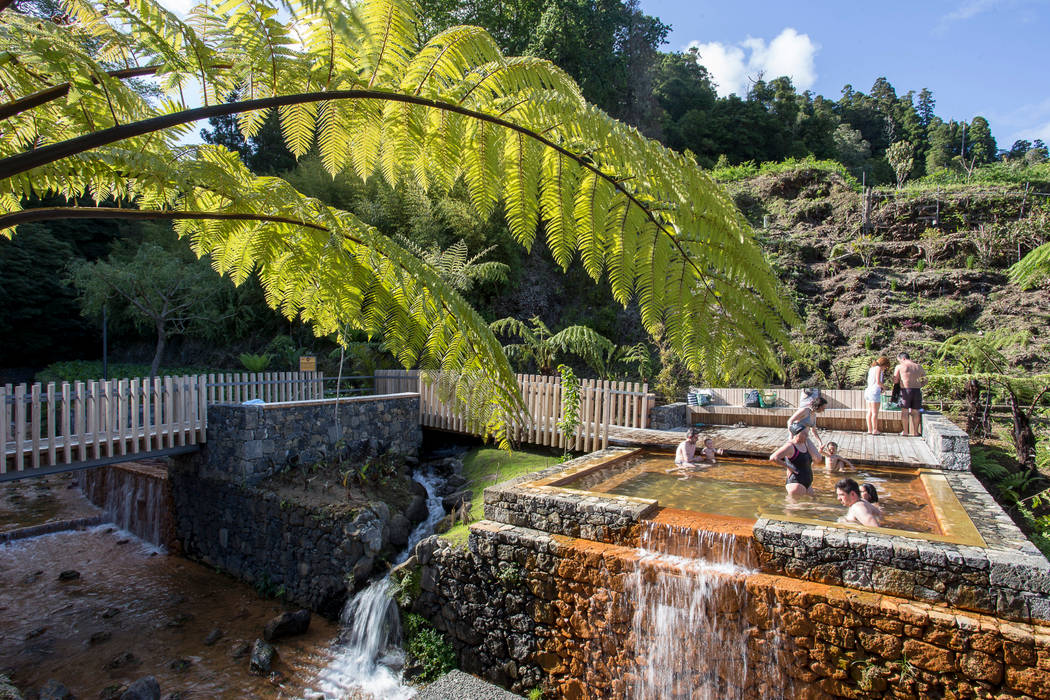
x=370 y=658
x=690 y=629
x=135 y=497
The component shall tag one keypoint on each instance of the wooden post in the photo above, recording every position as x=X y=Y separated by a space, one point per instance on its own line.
x=608 y=418
x=50 y=418
x=65 y=412
x=168 y=415
x=158 y=413
x=4 y=423
x=34 y=425
x=92 y=399
x=80 y=425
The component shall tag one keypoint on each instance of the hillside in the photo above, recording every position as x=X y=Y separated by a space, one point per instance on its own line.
x=929 y=263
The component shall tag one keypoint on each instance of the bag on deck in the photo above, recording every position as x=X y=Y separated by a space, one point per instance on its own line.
x=752 y=399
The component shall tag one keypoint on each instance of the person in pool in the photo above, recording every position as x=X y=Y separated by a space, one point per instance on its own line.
x=871 y=495
x=806 y=415
x=797 y=456
x=685 y=456
x=858 y=511
x=710 y=453
x=833 y=461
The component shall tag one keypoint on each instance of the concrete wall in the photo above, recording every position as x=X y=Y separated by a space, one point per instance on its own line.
x=250 y=442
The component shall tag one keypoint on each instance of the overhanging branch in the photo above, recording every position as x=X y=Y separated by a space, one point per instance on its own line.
x=28 y=216
x=14 y=165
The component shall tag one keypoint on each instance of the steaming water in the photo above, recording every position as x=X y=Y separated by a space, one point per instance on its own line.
x=370 y=659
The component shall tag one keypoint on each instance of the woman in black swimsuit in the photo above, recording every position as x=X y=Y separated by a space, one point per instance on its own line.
x=797 y=456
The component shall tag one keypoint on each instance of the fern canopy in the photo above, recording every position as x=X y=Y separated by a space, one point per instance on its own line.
x=351 y=82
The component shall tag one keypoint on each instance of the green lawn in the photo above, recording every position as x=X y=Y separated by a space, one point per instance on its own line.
x=485 y=466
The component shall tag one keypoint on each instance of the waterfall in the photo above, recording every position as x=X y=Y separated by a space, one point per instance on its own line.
x=691 y=633
x=135 y=497
x=370 y=658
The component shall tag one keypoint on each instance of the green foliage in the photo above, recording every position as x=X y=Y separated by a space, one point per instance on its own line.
x=920 y=265
x=408 y=587
x=535 y=694
x=749 y=169
x=255 y=363
x=429 y=647
x=541 y=348
x=901 y=157
x=88 y=370
x=570 y=405
x=511 y=576
x=355 y=83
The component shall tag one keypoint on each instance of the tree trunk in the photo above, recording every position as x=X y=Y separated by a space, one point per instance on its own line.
x=973 y=408
x=162 y=340
x=1024 y=437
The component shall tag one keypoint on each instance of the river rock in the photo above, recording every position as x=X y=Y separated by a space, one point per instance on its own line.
x=122 y=660
x=417 y=510
x=112 y=692
x=262 y=657
x=287 y=624
x=240 y=649
x=398 y=531
x=143 y=689
x=100 y=637
x=69 y=575
x=454 y=501
x=456 y=481
x=213 y=636
x=53 y=690
x=445 y=524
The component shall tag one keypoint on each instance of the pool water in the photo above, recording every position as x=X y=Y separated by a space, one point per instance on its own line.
x=755 y=488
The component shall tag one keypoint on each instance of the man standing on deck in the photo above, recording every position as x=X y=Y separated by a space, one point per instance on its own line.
x=911 y=377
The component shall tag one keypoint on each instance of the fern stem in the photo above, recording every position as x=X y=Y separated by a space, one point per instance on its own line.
x=27 y=216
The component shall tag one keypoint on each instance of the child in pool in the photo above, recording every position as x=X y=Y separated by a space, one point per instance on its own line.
x=709 y=453
x=833 y=461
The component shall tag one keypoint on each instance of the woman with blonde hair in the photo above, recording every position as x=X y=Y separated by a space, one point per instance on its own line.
x=873 y=392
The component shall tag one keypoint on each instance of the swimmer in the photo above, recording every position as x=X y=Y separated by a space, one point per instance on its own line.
x=833 y=461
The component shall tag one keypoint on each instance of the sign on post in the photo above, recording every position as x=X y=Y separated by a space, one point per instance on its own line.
x=307 y=363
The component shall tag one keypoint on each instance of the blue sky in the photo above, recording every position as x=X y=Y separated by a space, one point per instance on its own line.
x=979 y=57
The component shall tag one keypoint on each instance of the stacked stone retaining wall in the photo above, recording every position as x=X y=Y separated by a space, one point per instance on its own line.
x=524 y=608
x=247 y=442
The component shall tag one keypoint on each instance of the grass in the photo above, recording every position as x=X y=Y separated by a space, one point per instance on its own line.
x=487 y=466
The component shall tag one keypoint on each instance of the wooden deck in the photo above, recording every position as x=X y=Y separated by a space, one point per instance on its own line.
x=886 y=449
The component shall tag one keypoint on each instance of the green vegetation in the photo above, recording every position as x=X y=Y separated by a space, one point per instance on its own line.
x=83 y=370
x=428 y=647
x=748 y=170
x=389 y=107
x=486 y=466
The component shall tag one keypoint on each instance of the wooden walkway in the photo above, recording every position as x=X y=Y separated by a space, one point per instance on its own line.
x=886 y=449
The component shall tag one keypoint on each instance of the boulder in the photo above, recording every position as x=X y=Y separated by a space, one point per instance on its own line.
x=69 y=575
x=445 y=524
x=456 y=500
x=417 y=510
x=287 y=624
x=262 y=657
x=398 y=530
x=456 y=481
x=53 y=690
x=143 y=689
x=213 y=636
x=7 y=690
x=239 y=649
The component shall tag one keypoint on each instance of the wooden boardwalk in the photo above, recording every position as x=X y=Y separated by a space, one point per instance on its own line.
x=887 y=449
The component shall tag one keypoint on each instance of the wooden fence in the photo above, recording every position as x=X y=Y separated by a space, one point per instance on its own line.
x=48 y=425
x=602 y=404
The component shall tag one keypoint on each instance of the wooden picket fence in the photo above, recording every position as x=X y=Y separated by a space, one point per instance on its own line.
x=602 y=404
x=50 y=425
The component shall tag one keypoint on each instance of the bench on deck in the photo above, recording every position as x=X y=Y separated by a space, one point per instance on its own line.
x=845 y=410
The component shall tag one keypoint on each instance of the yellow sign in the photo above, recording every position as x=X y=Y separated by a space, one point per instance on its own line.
x=307 y=363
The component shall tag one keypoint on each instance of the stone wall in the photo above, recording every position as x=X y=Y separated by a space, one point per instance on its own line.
x=1009 y=578
x=948 y=442
x=250 y=442
x=669 y=416
x=311 y=557
x=525 y=609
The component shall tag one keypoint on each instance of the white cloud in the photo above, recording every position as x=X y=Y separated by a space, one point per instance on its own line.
x=732 y=67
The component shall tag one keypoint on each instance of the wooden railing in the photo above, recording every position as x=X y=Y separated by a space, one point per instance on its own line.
x=55 y=424
x=602 y=404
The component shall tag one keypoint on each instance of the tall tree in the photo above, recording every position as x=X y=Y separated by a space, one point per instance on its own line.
x=980 y=144
x=926 y=107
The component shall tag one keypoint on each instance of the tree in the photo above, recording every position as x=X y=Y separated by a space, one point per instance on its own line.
x=850 y=148
x=981 y=148
x=901 y=158
x=352 y=80
x=541 y=348
x=925 y=107
x=159 y=289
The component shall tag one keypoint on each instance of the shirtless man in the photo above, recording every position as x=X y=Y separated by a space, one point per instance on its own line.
x=685 y=456
x=858 y=511
x=912 y=377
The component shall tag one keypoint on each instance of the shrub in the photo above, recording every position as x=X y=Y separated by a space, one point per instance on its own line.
x=920 y=265
x=255 y=363
x=427 y=646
